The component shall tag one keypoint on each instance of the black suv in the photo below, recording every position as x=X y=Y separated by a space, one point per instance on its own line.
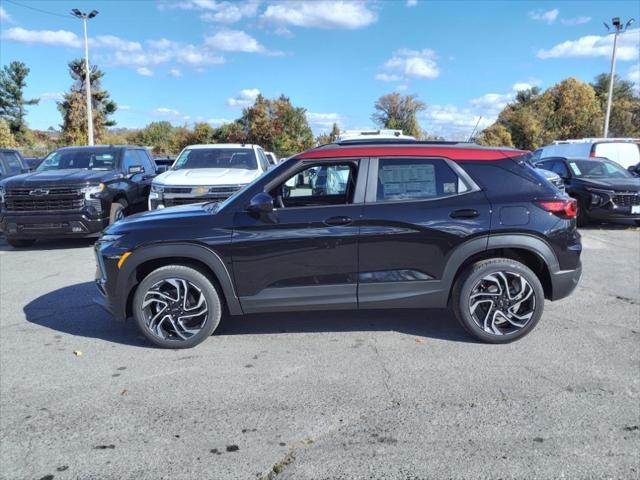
x=397 y=224
x=604 y=190
x=76 y=191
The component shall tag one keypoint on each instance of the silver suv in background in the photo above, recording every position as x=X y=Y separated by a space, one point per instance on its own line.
x=207 y=172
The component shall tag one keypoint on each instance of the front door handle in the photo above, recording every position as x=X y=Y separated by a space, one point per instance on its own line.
x=465 y=213
x=337 y=221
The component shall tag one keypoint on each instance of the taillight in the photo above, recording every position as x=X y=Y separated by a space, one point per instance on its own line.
x=562 y=208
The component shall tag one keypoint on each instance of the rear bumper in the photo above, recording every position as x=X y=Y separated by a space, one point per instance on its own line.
x=563 y=282
x=52 y=225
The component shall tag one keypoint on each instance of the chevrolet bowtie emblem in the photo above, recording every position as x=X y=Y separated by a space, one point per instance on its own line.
x=200 y=190
x=39 y=191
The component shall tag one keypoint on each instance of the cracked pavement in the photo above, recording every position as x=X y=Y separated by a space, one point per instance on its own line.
x=322 y=395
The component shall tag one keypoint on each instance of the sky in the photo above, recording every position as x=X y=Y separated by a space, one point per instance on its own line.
x=189 y=61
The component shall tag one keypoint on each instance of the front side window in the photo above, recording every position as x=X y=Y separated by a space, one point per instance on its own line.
x=321 y=184
x=560 y=168
x=130 y=159
x=264 y=163
x=84 y=159
x=12 y=162
x=230 y=158
x=416 y=179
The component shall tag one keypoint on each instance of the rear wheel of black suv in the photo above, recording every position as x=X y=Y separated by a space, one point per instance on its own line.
x=177 y=307
x=498 y=300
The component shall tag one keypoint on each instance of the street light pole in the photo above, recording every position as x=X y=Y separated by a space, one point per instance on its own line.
x=87 y=74
x=618 y=29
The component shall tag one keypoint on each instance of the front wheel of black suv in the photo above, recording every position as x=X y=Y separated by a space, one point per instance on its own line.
x=21 y=242
x=176 y=307
x=498 y=300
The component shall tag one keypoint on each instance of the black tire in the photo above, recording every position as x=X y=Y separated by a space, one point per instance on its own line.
x=21 y=242
x=472 y=277
x=118 y=211
x=583 y=216
x=199 y=281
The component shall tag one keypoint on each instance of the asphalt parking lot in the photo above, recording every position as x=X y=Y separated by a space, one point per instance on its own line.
x=393 y=395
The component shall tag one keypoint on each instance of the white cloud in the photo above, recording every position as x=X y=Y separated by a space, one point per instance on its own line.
x=175 y=72
x=124 y=107
x=244 y=99
x=166 y=112
x=230 y=12
x=575 y=20
x=4 y=16
x=548 y=16
x=452 y=122
x=55 y=96
x=492 y=102
x=323 y=120
x=164 y=51
x=414 y=63
x=216 y=122
x=144 y=71
x=412 y=3
x=340 y=14
x=111 y=41
x=61 y=38
x=597 y=46
x=387 y=77
x=234 y=41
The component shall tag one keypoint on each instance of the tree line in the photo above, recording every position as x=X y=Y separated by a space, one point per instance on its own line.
x=569 y=109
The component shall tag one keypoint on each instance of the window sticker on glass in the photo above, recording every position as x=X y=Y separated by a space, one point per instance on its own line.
x=575 y=168
x=408 y=181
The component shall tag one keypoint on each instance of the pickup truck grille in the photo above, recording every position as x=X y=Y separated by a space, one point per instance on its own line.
x=174 y=196
x=626 y=199
x=44 y=199
x=173 y=202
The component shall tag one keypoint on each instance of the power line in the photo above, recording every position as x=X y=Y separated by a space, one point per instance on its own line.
x=68 y=17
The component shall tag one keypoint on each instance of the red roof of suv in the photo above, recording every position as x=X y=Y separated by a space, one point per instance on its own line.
x=452 y=151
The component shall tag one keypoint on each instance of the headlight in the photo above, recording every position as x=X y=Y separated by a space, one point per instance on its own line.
x=110 y=238
x=92 y=190
x=157 y=188
x=599 y=197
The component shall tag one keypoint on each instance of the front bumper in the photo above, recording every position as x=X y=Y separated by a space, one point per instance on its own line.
x=614 y=213
x=563 y=282
x=51 y=225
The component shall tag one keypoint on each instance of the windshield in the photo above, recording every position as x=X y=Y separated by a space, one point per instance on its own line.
x=84 y=159
x=238 y=158
x=597 y=169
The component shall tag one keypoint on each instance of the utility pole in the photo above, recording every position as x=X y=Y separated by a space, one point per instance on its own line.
x=87 y=74
x=618 y=29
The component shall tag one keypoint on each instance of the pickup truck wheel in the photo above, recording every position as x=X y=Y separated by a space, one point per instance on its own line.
x=498 y=300
x=118 y=211
x=177 y=307
x=21 y=242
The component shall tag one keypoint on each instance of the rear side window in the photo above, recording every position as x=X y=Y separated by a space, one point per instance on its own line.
x=416 y=179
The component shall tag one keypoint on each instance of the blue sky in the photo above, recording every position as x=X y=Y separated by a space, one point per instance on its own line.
x=203 y=60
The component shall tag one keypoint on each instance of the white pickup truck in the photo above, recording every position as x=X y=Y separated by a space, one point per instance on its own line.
x=203 y=173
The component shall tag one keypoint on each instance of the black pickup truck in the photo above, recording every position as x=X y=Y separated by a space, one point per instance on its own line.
x=75 y=192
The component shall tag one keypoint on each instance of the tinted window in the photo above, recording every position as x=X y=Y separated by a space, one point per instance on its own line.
x=414 y=179
x=597 y=169
x=239 y=158
x=130 y=159
x=146 y=161
x=12 y=164
x=85 y=159
x=319 y=185
x=559 y=167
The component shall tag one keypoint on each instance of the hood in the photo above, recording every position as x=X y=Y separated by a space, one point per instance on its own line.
x=59 y=177
x=207 y=177
x=616 y=184
x=155 y=218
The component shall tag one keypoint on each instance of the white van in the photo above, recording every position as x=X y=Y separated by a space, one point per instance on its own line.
x=624 y=151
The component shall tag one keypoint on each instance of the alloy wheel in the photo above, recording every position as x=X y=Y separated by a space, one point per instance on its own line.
x=119 y=214
x=502 y=303
x=174 y=309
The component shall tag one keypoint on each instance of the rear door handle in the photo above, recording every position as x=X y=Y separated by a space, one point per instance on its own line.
x=337 y=221
x=465 y=213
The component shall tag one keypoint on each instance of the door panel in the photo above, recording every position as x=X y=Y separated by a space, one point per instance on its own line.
x=404 y=244
x=292 y=259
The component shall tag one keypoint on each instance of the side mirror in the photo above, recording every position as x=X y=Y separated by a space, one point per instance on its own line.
x=261 y=203
x=635 y=169
x=135 y=169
